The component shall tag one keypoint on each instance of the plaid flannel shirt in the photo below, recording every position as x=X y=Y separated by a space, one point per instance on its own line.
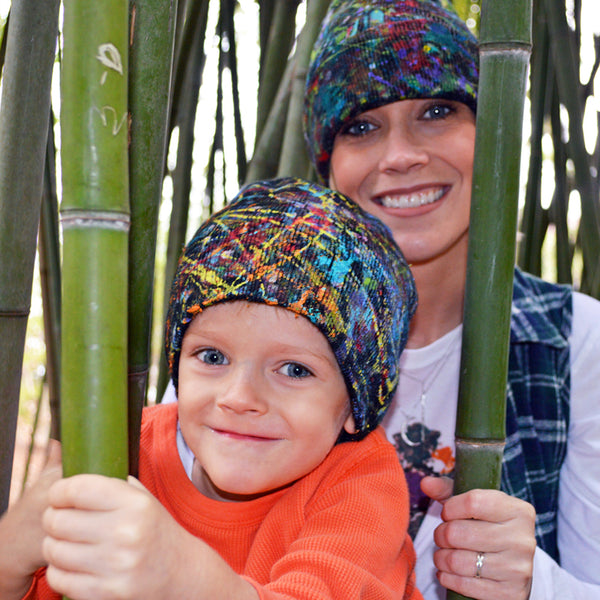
x=538 y=396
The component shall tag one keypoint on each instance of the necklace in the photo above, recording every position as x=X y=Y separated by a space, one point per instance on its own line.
x=412 y=421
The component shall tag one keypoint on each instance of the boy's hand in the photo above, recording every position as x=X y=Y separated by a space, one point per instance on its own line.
x=21 y=531
x=485 y=522
x=107 y=538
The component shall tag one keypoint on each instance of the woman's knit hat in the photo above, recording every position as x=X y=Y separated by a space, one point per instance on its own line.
x=375 y=52
x=294 y=244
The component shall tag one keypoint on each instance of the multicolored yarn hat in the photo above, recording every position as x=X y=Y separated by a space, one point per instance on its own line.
x=374 y=52
x=295 y=244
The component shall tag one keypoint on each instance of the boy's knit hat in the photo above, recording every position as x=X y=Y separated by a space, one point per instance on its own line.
x=294 y=244
x=374 y=52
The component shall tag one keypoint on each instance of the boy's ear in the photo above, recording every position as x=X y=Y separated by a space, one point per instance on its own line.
x=349 y=425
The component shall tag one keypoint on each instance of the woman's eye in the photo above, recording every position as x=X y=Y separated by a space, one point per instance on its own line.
x=437 y=111
x=295 y=370
x=210 y=356
x=358 y=128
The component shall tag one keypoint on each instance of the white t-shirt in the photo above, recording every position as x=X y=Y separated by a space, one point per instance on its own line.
x=579 y=494
x=437 y=365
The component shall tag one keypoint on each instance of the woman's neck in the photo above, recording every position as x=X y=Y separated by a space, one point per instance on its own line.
x=441 y=291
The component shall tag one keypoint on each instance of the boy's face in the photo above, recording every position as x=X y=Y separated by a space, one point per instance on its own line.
x=261 y=398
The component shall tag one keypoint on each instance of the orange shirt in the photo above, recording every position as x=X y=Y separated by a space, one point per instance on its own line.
x=340 y=532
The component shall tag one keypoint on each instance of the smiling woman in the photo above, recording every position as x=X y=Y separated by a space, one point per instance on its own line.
x=390 y=104
x=410 y=164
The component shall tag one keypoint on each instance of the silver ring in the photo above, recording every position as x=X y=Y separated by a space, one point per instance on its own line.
x=479 y=564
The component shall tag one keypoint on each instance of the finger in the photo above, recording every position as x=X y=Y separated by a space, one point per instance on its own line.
x=478 y=589
x=487 y=505
x=82 y=586
x=54 y=457
x=483 y=536
x=476 y=536
x=136 y=483
x=89 y=492
x=77 y=526
x=465 y=564
x=437 y=488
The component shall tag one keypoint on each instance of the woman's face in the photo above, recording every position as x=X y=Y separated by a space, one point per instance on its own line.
x=410 y=163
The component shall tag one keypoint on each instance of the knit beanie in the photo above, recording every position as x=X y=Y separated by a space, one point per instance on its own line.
x=297 y=245
x=374 y=52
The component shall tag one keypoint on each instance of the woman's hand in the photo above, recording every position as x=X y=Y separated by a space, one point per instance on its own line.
x=486 y=543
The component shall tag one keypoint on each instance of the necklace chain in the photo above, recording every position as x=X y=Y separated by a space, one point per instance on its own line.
x=425 y=387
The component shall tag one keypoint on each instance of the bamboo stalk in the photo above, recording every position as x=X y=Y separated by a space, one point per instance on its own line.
x=281 y=37
x=27 y=73
x=152 y=29
x=189 y=39
x=505 y=45
x=184 y=107
x=3 y=39
x=560 y=199
x=294 y=157
x=267 y=148
x=34 y=428
x=265 y=16
x=533 y=222
x=229 y=30
x=95 y=222
x=49 y=260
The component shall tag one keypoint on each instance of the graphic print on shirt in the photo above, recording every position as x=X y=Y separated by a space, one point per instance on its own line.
x=419 y=455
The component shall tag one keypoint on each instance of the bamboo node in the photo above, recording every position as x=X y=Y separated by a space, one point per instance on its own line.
x=95 y=219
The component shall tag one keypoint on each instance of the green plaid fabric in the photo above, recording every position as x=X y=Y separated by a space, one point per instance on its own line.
x=538 y=397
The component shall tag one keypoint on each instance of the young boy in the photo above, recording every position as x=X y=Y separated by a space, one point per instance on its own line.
x=269 y=478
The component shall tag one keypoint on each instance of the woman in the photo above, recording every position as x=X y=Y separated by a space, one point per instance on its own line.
x=390 y=121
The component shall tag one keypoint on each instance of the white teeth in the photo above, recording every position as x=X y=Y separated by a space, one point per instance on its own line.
x=412 y=200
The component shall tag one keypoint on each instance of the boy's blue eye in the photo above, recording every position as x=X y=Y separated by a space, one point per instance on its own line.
x=210 y=356
x=296 y=371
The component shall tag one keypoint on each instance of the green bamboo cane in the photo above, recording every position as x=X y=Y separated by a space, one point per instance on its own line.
x=229 y=29
x=281 y=37
x=27 y=73
x=189 y=39
x=265 y=17
x=560 y=199
x=34 y=428
x=532 y=220
x=50 y=279
x=95 y=222
x=3 y=39
x=267 y=149
x=217 y=143
x=568 y=88
x=184 y=108
x=294 y=157
x=152 y=28
x=505 y=44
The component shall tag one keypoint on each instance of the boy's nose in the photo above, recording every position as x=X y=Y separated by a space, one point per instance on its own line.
x=242 y=393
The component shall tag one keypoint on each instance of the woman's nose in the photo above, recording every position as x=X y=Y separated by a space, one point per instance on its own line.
x=401 y=152
x=243 y=392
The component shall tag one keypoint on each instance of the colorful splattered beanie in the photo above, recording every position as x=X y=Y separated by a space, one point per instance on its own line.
x=373 y=52
x=294 y=244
